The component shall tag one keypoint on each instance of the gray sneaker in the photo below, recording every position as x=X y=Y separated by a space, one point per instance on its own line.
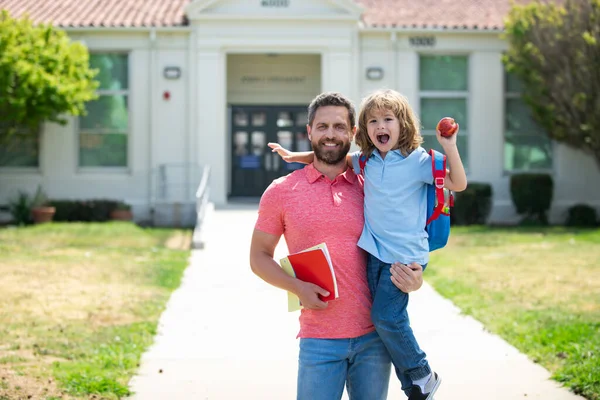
x=430 y=387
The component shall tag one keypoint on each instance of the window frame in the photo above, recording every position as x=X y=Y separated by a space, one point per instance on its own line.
x=108 y=92
x=508 y=95
x=447 y=94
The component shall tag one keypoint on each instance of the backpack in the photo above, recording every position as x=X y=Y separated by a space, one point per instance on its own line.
x=439 y=201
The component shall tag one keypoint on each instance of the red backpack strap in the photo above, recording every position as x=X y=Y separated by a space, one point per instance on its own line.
x=439 y=176
x=362 y=163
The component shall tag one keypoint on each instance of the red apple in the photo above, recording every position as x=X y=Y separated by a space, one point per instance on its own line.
x=447 y=126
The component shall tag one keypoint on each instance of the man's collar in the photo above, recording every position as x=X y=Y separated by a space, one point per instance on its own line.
x=312 y=174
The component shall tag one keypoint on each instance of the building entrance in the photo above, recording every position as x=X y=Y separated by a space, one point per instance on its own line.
x=254 y=166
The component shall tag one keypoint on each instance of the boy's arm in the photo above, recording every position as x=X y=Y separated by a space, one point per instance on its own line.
x=456 y=178
x=304 y=157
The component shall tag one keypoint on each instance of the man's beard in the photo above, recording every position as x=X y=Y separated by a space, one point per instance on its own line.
x=331 y=157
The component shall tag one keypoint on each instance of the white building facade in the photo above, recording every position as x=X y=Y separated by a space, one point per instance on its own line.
x=240 y=73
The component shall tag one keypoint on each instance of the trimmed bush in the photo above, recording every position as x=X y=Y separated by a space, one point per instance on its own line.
x=582 y=215
x=83 y=210
x=532 y=196
x=473 y=205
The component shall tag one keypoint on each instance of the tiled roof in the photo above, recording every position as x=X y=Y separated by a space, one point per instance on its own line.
x=440 y=14
x=443 y=14
x=101 y=13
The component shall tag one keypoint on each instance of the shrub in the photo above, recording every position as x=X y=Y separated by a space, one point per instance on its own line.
x=582 y=215
x=532 y=196
x=83 y=210
x=20 y=209
x=473 y=205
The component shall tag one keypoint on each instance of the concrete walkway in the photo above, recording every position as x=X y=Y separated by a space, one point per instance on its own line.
x=227 y=335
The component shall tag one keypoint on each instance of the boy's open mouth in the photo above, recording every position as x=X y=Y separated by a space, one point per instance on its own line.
x=383 y=138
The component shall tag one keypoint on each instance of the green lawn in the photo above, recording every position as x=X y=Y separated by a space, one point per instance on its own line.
x=79 y=305
x=537 y=288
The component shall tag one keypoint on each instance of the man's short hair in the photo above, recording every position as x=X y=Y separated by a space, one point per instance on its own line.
x=331 y=99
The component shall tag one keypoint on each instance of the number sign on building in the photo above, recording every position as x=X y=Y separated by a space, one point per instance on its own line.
x=422 y=41
x=275 y=3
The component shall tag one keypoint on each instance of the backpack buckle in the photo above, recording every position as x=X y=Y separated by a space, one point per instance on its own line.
x=439 y=183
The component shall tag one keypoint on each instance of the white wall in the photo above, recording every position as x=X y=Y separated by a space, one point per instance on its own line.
x=191 y=127
x=573 y=171
x=273 y=78
x=158 y=129
x=219 y=42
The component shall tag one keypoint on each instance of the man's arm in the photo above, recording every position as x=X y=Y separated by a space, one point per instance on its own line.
x=262 y=263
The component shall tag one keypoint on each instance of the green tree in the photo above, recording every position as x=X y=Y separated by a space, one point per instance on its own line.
x=554 y=50
x=43 y=76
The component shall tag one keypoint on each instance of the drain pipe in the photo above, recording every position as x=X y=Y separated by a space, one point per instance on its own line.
x=151 y=119
x=394 y=40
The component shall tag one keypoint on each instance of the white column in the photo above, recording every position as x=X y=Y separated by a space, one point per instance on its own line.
x=338 y=72
x=407 y=76
x=211 y=131
x=486 y=129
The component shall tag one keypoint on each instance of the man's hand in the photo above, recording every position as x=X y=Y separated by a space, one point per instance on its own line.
x=308 y=293
x=407 y=278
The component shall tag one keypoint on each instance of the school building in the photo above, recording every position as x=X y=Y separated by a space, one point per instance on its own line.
x=188 y=83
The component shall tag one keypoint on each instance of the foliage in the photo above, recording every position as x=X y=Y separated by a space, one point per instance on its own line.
x=532 y=196
x=42 y=75
x=122 y=206
x=93 y=210
x=97 y=323
x=554 y=50
x=582 y=215
x=39 y=199
x=473 y=205
x=536 y=287
x=20 y=209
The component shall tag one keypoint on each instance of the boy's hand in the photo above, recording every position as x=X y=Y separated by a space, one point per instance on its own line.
x=447 y=141
x=284 y=153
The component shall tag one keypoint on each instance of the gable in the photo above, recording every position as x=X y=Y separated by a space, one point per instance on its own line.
x=296 y=9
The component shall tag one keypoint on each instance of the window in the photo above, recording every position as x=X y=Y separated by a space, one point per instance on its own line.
x=21 y=150
x=444 y=91
x=526 y=146
x=104 y=131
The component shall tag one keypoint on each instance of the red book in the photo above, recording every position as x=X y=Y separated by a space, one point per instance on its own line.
x=311 y=265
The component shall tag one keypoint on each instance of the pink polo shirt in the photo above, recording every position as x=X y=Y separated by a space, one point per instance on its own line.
x=307 y=208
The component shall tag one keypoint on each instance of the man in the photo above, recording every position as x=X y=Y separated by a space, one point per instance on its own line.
x=324 y=203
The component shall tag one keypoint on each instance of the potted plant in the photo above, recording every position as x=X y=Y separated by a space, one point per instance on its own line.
x=41 y=211
x=122 y=212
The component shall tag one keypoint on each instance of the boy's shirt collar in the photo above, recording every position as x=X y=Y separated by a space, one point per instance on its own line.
x=396 y=152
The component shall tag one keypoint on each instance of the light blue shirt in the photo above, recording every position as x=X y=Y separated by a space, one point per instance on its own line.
x=396 y=206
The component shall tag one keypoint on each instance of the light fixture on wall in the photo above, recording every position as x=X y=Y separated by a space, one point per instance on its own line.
x=172 y=72
x=374 y=73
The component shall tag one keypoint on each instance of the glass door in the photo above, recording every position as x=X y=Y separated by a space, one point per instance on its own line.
x=254 y=166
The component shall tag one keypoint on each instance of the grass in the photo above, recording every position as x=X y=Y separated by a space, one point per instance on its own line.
x=537 y=288
x=80 y=303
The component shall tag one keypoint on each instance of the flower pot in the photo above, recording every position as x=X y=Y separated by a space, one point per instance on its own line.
x=121 y=215
x=42 y=214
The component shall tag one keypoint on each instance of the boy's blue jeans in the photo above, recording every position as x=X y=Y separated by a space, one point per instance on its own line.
x=326 y=365
x=390 y=318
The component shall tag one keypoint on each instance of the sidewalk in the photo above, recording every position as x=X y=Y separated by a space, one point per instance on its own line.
x=227 y=335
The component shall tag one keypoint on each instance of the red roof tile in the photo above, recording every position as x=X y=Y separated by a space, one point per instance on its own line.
x=101 y=13
x=443 y=14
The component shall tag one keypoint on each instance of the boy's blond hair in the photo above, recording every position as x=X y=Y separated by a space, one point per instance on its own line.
x=410 y=136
